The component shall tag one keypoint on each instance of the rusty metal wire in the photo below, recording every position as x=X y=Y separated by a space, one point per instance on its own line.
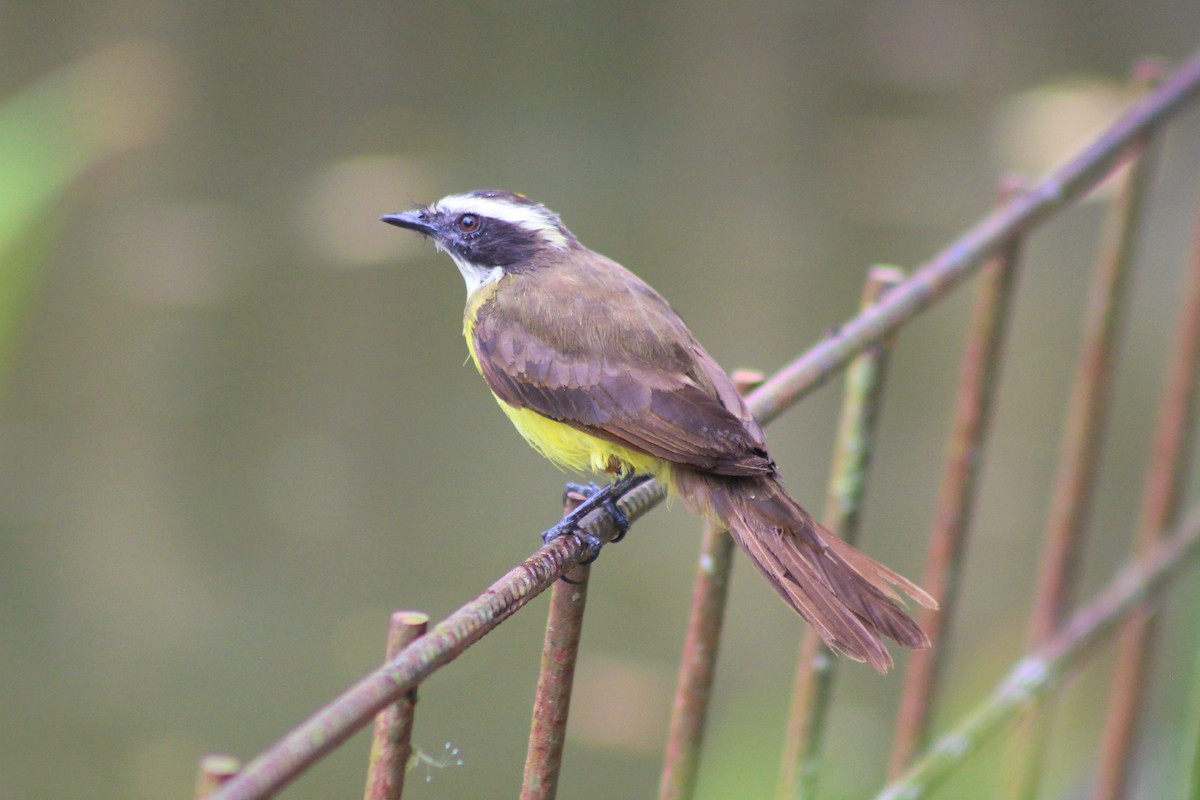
x=698 y=665
x=948 y=542
x=215 y=769
x=1086 y=425
x=332 y=725
x=812 y=687
x=391 y=744
x=1044 y=668
x=552 y=701
x=1160 y=503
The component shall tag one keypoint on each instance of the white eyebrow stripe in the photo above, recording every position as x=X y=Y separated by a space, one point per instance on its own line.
x=534 y=218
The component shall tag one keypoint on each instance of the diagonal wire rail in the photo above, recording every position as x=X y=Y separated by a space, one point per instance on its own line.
x=1045 y=668
x=401 y=674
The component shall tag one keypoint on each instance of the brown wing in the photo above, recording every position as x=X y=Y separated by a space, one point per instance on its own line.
x=604 y=353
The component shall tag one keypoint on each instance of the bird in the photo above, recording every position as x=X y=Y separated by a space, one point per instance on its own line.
x=598 y=373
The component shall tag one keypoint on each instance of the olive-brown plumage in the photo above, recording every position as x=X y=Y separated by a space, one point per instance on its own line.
x=596 y=369
x=639 y=379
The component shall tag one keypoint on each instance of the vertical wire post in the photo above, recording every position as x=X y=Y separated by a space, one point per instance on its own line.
x=813 y=684
x=1080 y=455
x=552 y=702
x=978 y=380
x=391 y=744
x=698 y=666
x=1160 y=504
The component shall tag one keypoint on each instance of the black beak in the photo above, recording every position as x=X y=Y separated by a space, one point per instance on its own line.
x=415 y=220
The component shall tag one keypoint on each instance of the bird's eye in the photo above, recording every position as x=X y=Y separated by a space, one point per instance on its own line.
x=468 y=223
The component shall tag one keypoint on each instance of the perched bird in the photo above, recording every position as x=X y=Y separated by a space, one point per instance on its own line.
x=597 y=372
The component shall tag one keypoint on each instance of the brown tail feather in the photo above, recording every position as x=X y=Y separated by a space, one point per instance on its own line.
x=847 y=597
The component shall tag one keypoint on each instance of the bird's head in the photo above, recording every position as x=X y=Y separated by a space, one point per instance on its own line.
x=488 y=232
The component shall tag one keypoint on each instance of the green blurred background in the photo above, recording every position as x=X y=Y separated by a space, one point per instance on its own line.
x=237 y=430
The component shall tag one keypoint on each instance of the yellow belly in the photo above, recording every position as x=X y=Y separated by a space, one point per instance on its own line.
x=567 y=447
x=573 y=449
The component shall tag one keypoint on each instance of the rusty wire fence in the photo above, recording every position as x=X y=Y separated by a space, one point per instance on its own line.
x=1063 y=633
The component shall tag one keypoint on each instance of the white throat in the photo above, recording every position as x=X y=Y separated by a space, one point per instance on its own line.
x=475 y=276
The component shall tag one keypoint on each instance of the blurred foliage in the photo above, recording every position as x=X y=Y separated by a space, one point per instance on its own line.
x=51 y=133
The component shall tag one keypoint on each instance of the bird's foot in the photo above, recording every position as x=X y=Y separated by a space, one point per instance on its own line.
x=594 y=497
x=579 y=491
x=607 y=499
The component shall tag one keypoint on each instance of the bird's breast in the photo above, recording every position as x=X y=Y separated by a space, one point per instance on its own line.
x=475 y=301
x=567 y=446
